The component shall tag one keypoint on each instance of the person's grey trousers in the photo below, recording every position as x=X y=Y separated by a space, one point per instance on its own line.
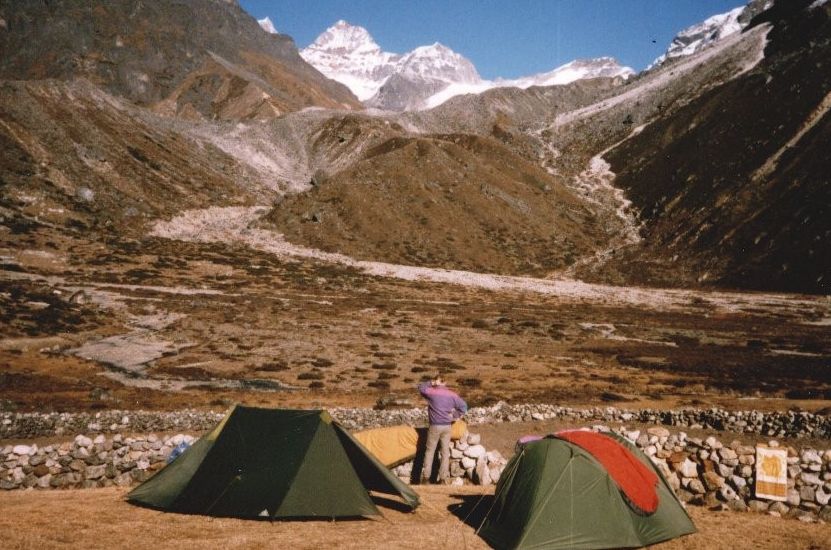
x=435 y=434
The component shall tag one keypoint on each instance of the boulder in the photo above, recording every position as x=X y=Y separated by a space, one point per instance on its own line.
x=483 y=475
x=807 y=493
x=475 y=451
x=724 y=470
x=737 y=505
x=96 y=472
x=21 y=450
x=810 y=479
x=793 y=497
x=696 y=487
x=727 y=493
x=658 y=431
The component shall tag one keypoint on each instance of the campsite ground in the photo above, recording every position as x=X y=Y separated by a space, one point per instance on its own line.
x=100 y=518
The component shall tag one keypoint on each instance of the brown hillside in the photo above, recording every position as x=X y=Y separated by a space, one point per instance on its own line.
x=453 y=201
x=75 y=157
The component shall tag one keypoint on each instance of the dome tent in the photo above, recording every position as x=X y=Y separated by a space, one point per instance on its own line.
x=273 y=463
x=555 y=494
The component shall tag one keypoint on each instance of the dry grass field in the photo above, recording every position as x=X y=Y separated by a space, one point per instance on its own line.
x=101 y=518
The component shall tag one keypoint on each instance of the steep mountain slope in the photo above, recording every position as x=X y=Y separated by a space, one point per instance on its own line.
x=734 y=187
x=76 y=159
x=445 y=200
x=192 y=58
x=560 y=128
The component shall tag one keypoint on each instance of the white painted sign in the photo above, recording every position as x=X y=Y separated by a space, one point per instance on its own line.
x=771 y=473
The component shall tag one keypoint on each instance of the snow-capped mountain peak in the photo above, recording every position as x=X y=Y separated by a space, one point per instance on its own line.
x=427 y=75
x=701 y=35
x=438 y=62
x=267 y=25
x=344 y=38
x=348 y=53
x=578 y=69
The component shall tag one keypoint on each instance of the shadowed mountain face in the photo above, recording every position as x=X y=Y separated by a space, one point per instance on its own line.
x=735 y=187
x=197 y=58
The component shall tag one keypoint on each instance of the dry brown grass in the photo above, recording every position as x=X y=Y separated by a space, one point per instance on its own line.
x=102 y=519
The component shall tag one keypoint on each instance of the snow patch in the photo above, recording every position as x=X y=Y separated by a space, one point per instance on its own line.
x=267 y=25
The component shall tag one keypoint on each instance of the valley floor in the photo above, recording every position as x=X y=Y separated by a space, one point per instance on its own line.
x=213 y=310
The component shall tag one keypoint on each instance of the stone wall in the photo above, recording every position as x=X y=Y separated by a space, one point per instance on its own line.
x=701 y=471
x=86 y=462
x=789 y=424
x=704 y=472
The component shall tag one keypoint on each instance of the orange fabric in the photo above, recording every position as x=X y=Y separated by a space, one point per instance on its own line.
x=396 y=444
x=633 y=477
x=458 y=429
x=392 y=445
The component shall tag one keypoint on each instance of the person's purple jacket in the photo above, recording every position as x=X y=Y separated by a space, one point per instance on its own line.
x=443 y=405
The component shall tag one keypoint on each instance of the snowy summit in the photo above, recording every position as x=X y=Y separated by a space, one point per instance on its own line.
x=426 y=76
x=348 y=53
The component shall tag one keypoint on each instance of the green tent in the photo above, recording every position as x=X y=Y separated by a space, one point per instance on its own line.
x=272 y=463
x=553 y=494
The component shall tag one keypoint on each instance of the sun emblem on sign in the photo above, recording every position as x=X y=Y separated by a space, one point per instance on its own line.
x=771 y=466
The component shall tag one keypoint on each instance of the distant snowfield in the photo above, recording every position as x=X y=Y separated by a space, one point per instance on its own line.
x=235 y=225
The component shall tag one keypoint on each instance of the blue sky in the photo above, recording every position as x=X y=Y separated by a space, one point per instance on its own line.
x=507 y=38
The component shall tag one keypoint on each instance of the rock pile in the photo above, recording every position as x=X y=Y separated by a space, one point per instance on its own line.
x=470 y=462
x=790 y=424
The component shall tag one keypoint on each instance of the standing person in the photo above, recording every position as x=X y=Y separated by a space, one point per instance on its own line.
x=443 y=407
